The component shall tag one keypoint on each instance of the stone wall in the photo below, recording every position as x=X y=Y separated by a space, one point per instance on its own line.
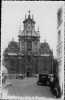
x=45 y=64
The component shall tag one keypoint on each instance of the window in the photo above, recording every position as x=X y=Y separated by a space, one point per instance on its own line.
x=59 y=35
x=29 y=45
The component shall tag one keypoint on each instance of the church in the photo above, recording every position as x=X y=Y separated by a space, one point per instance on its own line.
x=28 y=56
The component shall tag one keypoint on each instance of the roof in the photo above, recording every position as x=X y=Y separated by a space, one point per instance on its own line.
x=29 y=19
x=13 y=47
x=13 y=44
x=44 y=48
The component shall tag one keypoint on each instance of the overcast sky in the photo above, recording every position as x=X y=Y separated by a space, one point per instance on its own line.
x=45 y=15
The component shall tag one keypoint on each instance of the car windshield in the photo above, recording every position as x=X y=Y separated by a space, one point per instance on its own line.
x=44 y=74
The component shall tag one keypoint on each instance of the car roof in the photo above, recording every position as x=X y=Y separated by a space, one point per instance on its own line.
x=43 y=73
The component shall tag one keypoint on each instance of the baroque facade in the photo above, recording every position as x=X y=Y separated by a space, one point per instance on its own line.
x=28 y=56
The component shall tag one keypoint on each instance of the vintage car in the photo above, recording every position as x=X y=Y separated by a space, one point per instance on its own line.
x=50 y=79
x=19 y=76
x=43 y=79
x=55 y=88
x=35 y=75
x=57 y=91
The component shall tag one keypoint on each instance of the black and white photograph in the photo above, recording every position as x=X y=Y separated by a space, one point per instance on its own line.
x=32 y=49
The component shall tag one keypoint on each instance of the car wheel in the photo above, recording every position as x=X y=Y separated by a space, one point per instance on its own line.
x=47 y=83
x=56 y=92
x=38 y=83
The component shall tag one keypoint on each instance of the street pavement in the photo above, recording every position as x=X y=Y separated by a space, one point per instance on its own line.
x=28 y=87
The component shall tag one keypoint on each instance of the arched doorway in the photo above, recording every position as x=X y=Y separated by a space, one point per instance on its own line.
x=29 y=72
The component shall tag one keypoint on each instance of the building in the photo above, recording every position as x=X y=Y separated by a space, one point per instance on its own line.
x=60 y=47
x=28 y=56
x=45 y=58
x=10 y=57
x=29 y=39
x=29 y=42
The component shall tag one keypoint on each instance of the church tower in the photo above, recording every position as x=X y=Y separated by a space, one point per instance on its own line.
x=29 y=38
x=29 y=43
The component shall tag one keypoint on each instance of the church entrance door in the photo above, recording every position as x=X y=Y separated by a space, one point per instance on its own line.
x=29 y=72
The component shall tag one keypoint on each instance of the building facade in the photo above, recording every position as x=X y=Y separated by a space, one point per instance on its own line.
x=29 y=43
x=28 y=56
x=45 y=58
x=60 y=47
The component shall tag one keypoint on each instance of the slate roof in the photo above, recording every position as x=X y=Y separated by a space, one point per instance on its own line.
x=45 y=48
x=13 y=47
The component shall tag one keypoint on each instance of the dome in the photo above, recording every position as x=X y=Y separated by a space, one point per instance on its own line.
x=13 y=44
x=13 y=47
x=44 y=48
x=44 y=45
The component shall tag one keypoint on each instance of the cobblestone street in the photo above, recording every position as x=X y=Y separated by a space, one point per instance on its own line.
x=28 y=87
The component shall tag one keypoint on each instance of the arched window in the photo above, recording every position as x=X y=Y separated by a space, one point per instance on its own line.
x=29 y=45
x=59 y=35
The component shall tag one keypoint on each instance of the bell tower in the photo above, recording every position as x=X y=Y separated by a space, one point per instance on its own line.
x=29 y=38
x=29 y=25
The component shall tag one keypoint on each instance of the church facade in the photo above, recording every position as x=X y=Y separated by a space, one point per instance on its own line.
x=28 y=56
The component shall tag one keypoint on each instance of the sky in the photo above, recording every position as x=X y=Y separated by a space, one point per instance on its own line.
x=45 y=16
